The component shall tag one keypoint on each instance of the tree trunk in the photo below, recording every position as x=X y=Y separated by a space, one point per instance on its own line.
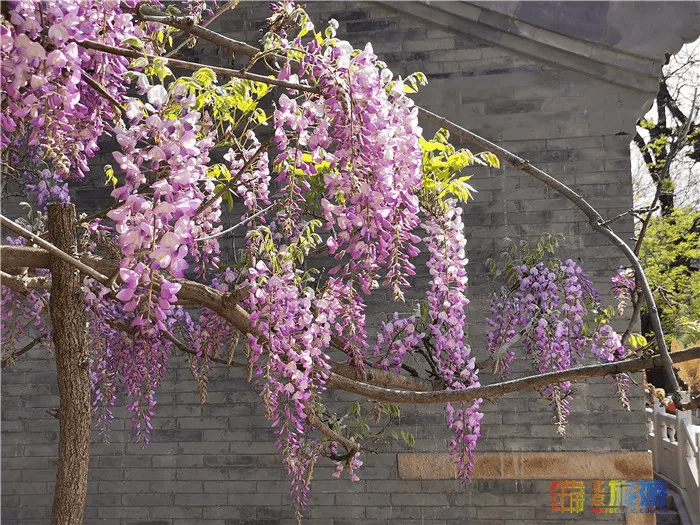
x=72 y=367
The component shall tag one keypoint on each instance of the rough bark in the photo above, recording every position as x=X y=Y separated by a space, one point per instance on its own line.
x=72 y=368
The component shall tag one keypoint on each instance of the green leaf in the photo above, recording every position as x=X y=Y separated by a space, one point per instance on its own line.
x=133 y=41
x=206 y=76
x=111 y=178
x=140 y=63
x=408 y=438
x=391 y=409
x=637 y=340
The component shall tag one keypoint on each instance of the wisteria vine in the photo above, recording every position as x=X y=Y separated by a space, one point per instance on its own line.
x=550 y=309
x=338 y=167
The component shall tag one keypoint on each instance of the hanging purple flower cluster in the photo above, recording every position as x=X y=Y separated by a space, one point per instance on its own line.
x=133 y=358
x=48 y=103
x=367 y=131
x=358 y=140
x=49 y=188
x=163 y=160
x=623 y=285
x=447 y=303
x=394 y=341
x=20 y=315
x=550 y=309
x=292 y=327
x=158 y=229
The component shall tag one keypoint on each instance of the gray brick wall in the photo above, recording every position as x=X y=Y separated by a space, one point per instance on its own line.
x=216 y=463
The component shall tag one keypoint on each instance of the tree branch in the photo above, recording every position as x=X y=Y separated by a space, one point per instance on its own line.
x=393 y=387
x=505 y=387
x=192 y=66
x=12 y=226
x=595 y=220
x=383 y=378
x=7 y=361
x=23 y=284
x=104 y=94
x=326 y=431
x=226 y=7
x=189 y=26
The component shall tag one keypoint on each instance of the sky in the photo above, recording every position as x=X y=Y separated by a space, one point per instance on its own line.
x=684 y=85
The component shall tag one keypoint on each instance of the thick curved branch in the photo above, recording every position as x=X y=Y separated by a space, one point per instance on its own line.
x=402 y=389
x=192 y=66
x=505 y=387
x=383 y=378
x=595 y=219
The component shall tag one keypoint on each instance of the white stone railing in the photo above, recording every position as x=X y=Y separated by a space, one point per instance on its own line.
x=674 y=442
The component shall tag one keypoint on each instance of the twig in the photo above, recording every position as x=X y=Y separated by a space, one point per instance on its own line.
x=333 y=436
x=183 y=347
x=104 y=93
x=26 y=348
x=618 y=217
x=636 y=310
x=242 y=223
x=496 y=358
x=646 y=220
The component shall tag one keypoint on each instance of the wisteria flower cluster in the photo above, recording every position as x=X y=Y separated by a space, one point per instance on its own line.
x=623 y=285
x=368 y=135
x=550 y=308
x=394 y=341
x=447 y=302
x=24 y=316
x=49 y=188
x=289 y=363
x=124 y=356
x=48 y=104
x=158 y=229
